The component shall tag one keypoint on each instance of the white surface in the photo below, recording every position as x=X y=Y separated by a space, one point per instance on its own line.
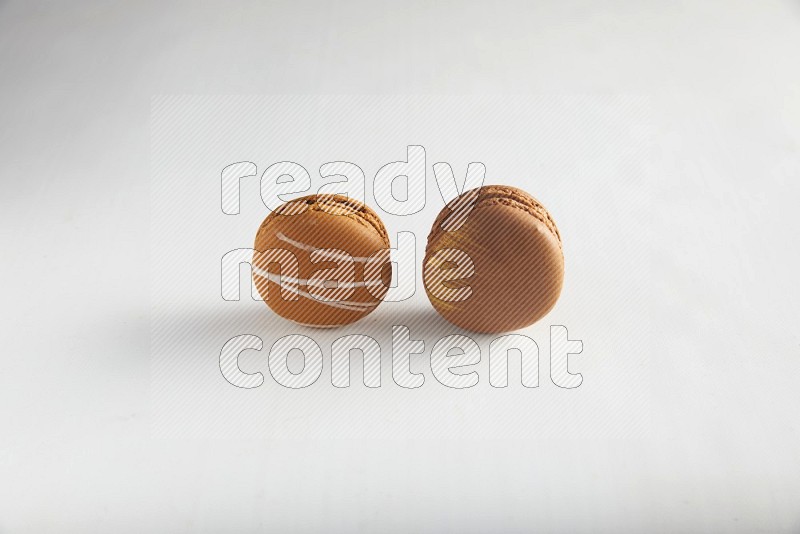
x=719 y=450
x=585 y=158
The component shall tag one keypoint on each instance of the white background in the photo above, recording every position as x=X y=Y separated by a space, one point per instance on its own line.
x=586 y=158
x=713 y=445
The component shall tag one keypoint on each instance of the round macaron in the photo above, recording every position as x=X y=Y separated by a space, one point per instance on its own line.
x=493 y=262
x=322 y=260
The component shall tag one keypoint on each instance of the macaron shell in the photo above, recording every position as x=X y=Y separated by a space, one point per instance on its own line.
x=518 y=267
x=499 y=194
x=312 y=229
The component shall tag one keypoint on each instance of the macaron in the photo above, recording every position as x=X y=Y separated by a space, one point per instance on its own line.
x=493 y=261
x=322 y=260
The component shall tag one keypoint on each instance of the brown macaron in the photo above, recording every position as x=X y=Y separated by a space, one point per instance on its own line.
x=322 y=260
x=493 y=262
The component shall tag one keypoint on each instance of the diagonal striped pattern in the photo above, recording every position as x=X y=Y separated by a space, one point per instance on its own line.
x=229 y=361
x=587 y=157
x=232 y=176
x=561 y=347
x=517 y=346
x=279 y=365
x=444 y=359
x=446 y=268
x=341 y=351
x=463 y=201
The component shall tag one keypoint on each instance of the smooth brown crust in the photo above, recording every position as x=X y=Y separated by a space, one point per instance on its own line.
x=311 y=223
x=338 y=205
x=516 y=261
x=492 y=195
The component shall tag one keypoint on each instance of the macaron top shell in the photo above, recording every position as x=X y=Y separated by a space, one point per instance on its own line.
x=336 y=205
x=332 y=238
x=515 y=249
